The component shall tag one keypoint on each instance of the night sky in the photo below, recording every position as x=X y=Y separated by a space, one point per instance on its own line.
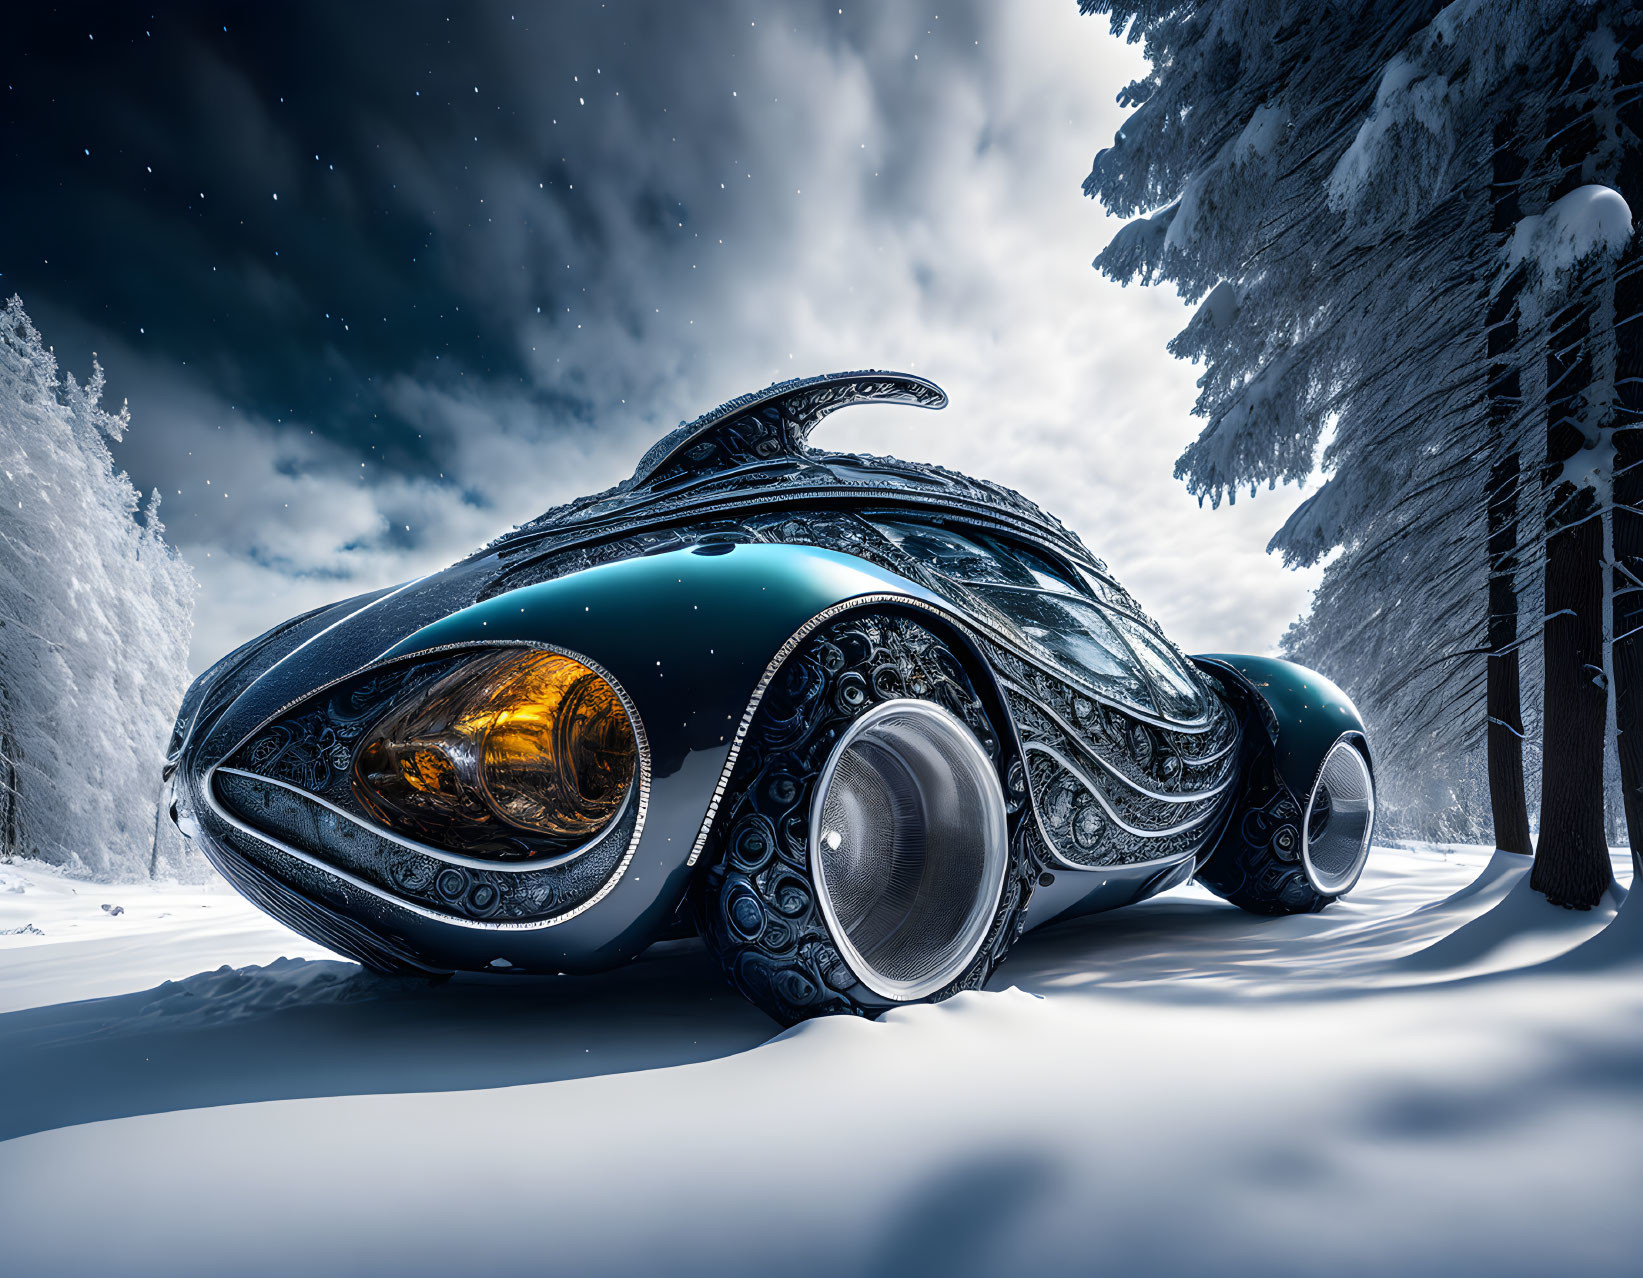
x=380 y=281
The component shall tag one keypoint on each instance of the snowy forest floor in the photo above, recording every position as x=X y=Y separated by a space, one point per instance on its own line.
x=1401 y=1084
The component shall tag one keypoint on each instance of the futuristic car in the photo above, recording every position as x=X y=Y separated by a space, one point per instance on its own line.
x=859 y=722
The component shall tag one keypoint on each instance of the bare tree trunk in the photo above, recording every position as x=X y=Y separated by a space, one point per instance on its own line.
x=1503 y=695
x=1572 y=861
x=154 y=843
x=8 y=779
x=1626 y=652
x=1614 y=816
x=8 y=800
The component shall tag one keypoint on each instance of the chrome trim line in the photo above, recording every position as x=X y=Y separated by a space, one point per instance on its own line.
x=208 y=786
x=1063 y=862
x=1348 y=740
x=1068 y=676
x=1200 y=720
x=964 y=627
x=782 y=654
x=427 y=849
x=1102 y=867
x=318 y=634
x=219 y=668
x=979 y=625
x=1084 y=779
x=1075 y=734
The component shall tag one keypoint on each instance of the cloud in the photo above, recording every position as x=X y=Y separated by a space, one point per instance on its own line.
x=497 y=300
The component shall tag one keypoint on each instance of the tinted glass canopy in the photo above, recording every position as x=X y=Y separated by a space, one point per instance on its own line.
x=1063 y=610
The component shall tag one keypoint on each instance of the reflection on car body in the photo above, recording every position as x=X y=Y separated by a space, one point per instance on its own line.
x=857 y=721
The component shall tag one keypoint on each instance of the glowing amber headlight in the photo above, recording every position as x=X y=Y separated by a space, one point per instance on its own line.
x=516 y=754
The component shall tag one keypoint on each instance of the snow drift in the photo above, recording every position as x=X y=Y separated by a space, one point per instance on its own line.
x=1175 y=1088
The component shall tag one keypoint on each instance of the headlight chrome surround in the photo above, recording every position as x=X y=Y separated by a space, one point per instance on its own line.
x=518 y=754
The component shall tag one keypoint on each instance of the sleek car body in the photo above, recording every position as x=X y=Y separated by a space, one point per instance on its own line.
x=675 y=606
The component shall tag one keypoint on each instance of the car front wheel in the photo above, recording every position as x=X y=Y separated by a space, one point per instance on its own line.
x=872 y=849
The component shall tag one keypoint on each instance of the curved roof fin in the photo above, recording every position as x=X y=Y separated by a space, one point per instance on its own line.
x=775 y=422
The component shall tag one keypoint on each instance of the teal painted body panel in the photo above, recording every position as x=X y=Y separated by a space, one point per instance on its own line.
x=683 y=584
x=1306 y=713
x=687 y=635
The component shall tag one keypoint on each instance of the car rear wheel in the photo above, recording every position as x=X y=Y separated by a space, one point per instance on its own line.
x=1279 y=857
x=872 y=850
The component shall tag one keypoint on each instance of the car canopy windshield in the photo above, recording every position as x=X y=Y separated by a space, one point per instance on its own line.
x=1058 y=609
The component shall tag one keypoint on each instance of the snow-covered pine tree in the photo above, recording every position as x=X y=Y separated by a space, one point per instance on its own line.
x=1562 y=76
x=95 y=615
x=1340 y=183
x=1316 y=306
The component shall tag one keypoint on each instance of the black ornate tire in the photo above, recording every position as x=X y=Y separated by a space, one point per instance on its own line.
x=1257 y=863
x=756 y=897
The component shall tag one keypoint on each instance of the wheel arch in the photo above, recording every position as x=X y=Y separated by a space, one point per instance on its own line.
x=754 y=894
x=1304 y=713
x=929 y=611
x=693 y=636
x=1305 y=718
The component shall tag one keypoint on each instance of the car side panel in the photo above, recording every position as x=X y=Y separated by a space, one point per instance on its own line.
x=689 y=635
x=1304 y=712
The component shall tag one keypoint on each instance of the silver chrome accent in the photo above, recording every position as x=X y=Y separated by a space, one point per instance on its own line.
x=963 y=626
x=1084 y=779
x=990 y=515
x=208 y=789
x=782 y=654
x=1334 y=853
x=1077 y=735
x=909 y=847
x=428 y=849
x=340 y=621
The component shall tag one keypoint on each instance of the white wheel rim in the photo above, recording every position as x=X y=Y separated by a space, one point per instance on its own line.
x=908 y=847
x=1340 y=821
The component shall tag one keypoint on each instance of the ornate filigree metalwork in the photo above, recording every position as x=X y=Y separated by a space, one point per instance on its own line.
x=293 y=780
x=1129 y=756
x=758 y=905
x=441 y=884
x=312 y=745
x=1098 y=811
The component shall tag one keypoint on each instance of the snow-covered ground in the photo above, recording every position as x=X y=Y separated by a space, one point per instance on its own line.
x=1387 y=1088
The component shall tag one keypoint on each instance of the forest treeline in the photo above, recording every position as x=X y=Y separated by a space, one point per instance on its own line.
x=96 y=611
x=1408 y=229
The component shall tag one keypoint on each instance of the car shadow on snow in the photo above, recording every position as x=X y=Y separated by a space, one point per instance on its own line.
x=306 y=1028
x=1172 y=946
x=300 y=1028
